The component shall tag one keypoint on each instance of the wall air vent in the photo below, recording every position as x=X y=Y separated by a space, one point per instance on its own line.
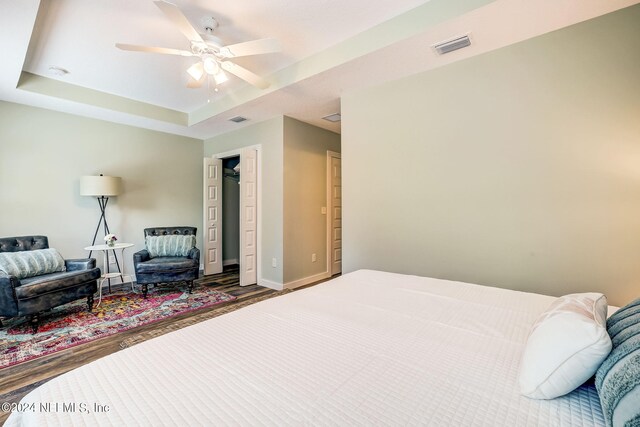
x=451 y=45
x=238 y=119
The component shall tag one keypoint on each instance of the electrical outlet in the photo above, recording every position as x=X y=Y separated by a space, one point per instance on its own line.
x=274 y=262
x=112 y=259
x=314 y=258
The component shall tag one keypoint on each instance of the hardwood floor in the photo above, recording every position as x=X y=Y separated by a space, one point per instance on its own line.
x=16 y=381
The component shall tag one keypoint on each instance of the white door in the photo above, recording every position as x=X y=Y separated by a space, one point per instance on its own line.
x=212 y=216
x=248 y=216
x=336 y=213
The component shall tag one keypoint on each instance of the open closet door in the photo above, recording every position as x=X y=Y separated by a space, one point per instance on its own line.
x=248 y=216
x=212 y=216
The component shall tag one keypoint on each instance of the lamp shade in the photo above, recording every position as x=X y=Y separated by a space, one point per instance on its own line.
x=100 y=185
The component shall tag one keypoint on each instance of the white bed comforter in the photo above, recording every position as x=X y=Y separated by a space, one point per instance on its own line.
x=368 y=348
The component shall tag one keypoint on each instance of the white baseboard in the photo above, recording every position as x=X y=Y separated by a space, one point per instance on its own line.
x=230 y=262
x=270 y=284
x=306 y=280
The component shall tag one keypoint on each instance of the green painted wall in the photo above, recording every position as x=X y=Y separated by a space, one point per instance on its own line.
x=519 y=168
x=305 y=193
x=293 y=191
x=44 y=153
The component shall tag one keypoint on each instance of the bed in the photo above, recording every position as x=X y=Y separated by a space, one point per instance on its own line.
x=367 y=348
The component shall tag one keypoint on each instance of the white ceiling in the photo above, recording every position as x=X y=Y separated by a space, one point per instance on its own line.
x=79 y=35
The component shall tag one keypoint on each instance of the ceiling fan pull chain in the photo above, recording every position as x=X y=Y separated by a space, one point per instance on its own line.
x=208 y=90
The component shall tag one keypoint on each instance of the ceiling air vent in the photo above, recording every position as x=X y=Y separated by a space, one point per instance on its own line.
x=451 y=45
x=335 y=117
x=238 y=119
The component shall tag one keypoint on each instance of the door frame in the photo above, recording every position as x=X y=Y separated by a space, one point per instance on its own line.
x=329 y=223
x=238 y=153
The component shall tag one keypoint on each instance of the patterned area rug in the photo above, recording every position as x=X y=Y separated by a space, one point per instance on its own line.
x=71 y=324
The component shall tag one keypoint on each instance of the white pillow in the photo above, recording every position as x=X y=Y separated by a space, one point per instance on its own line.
x=565 y=347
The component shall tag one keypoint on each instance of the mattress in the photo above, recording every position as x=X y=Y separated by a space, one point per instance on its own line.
x=367 y=348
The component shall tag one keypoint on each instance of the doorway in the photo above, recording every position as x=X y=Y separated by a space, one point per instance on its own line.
x=231 y=211
x=223 y=171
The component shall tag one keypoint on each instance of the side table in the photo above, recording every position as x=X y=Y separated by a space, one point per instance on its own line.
x=106 y=276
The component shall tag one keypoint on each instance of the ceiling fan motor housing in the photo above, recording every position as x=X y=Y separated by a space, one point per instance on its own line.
x=209 y=24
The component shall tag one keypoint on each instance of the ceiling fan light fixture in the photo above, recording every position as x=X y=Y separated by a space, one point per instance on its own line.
x=211 y=66
x=196 y=71
x=209 y=50
x=221 y=77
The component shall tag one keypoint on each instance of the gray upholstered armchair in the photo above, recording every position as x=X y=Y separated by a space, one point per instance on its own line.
x=170 y=256
x=30 y=296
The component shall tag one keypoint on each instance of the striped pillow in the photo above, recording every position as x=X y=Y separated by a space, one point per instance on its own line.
x=25 y=264
x=618 y=378
x=171 y=245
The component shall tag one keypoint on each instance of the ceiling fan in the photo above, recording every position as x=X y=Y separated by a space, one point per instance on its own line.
x=214 y=58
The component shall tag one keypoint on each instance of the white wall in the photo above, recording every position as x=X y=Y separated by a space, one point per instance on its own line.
x=269 y=135
x=519 y=168
x=43 y=154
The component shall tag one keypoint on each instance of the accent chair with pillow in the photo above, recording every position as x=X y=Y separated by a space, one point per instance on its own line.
x=35 y=278
x=170 y=256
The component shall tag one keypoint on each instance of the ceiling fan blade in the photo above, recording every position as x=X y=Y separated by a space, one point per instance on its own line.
x=245 y=74
x=176 y=16
x=254 y=47
x=196 y=71
x=194 y=84
x=163 y=50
